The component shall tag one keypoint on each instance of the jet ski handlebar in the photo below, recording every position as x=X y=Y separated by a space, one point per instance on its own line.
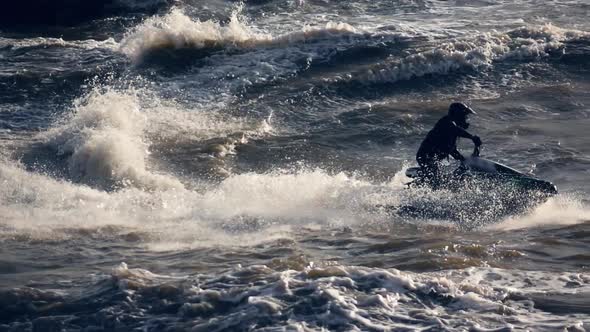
x=476 y=151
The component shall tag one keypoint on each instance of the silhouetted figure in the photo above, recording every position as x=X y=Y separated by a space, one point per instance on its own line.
x=441 y=142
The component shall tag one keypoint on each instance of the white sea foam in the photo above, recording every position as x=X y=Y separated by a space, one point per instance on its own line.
x=305 y=195
x=337 y=296
x=358 y=298
x=88 y=44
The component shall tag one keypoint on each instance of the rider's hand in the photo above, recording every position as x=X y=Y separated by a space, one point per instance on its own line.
x=476 y=140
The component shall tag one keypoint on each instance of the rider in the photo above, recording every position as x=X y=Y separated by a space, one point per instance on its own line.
x=441 y=142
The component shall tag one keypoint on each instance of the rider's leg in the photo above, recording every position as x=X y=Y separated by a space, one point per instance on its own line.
x=430 y=169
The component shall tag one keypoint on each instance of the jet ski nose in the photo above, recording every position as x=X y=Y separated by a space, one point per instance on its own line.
x=545 y=187
x=553 y=189
x=549 y=188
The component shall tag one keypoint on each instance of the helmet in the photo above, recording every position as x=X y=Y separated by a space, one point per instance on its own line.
x=458 y=111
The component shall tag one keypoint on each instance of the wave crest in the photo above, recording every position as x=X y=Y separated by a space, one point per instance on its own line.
x=473 y=53
x=177 y=31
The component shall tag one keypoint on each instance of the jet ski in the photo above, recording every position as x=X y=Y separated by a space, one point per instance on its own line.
x=478 y=192
x=475 y=167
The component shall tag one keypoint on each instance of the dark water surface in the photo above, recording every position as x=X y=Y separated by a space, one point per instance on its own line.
x=224 y=166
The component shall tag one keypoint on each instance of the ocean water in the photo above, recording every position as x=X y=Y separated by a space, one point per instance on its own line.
x=224 y=166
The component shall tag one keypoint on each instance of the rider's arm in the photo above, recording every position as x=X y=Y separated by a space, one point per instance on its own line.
x=463 y=133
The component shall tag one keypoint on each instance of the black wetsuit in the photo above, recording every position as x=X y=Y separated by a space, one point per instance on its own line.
x=440 y=142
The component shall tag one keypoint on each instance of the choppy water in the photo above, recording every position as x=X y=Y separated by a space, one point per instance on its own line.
x=220 y=166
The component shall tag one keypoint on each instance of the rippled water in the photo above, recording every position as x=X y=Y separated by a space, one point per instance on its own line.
x=223 y=166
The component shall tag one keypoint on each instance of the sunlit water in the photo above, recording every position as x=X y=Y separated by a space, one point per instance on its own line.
x=214 y=166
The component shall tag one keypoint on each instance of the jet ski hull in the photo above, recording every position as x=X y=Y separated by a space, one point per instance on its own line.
x=480 y=168
x=478 y=192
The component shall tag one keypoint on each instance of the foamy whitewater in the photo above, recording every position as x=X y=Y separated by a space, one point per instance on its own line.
x=213 y=166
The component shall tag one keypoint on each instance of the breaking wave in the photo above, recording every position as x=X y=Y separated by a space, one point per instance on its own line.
x=177 y=31
x=103 y=141
x=475 y=53
x=108 y=137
